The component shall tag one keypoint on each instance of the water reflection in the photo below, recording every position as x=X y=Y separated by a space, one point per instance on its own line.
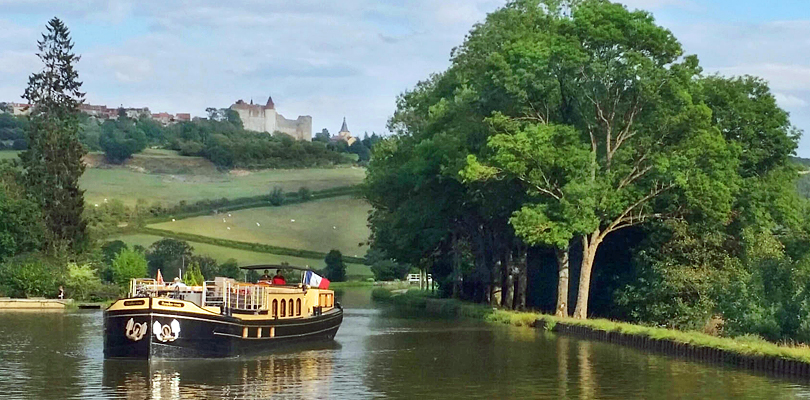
x=298 y=372
x=377 y=354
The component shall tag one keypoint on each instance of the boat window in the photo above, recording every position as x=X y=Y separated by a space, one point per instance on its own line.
x=275 y=308
x=292 y=308
x=298 y=306
x=283 y=308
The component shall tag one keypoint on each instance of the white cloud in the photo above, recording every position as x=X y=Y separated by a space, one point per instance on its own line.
x=779 y=76
x=788 y=101
x=128 y=68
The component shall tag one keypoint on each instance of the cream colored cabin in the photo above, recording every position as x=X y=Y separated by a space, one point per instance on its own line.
x=248 y=301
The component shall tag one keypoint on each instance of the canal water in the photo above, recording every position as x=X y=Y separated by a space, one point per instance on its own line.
x=378 y=353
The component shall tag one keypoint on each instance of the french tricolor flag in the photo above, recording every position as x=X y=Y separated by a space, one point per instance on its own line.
x=313 y=279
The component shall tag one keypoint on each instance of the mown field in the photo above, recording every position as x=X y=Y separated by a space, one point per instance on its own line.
x=8 y=154
x=244 y=257
x=163 y=176
x=320 y=225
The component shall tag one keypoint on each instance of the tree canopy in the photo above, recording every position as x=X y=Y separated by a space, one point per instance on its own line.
x=563 y=125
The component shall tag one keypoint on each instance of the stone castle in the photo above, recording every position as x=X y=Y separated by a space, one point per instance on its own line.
x=266 y=119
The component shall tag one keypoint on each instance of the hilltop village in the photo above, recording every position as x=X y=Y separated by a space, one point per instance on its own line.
x=255 y=117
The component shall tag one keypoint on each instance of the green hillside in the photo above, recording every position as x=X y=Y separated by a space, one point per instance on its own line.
x=163 y=176
x=320 y=225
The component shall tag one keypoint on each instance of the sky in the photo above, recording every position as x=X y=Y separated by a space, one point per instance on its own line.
x=331 y=59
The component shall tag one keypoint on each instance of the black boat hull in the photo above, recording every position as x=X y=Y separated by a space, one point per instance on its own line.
x=159 y=333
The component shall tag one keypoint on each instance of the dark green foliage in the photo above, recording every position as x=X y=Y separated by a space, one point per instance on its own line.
x=384 y=268
x=209 y=268
x=276 y=196
x=381 y=294
x=230 y=269
x=304 y=193
x=335 y=269
x=53 y=162
x=678 y=277
x=168 y=256
x=111 y=249
x=121 y=138
x=363 y=153
x=31 y=276
x=323 y=136
x=21 y=229
x=13 y=127
x=19 y=144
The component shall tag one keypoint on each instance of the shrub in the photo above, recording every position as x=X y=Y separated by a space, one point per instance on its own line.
x=304 y=193
x=82 y=281
x=30 y=276
x=381 y=294
x=192 y=275
x=128 y=264
x=389 y=270
x=276 y=196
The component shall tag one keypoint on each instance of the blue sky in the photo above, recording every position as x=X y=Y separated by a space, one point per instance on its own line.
x=330 y=59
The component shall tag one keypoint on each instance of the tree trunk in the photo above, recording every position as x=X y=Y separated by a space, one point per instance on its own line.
x=589 y=246
x=562 y=282
x=506 y=280
x=519 y=302
x=456 y=268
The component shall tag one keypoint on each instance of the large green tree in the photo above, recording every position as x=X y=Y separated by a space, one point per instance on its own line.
x=601 y=126
x=53 y=162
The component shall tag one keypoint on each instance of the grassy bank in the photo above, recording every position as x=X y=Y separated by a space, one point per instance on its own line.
x=318 y=225
x=247 y=257
x=745 y=346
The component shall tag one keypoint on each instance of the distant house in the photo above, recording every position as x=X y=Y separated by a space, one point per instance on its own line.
x=136 y=113
x=20 y=109
x=163 y=118
x=182 y=117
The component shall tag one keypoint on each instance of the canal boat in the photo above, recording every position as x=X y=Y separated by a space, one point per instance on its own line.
x=220 y=318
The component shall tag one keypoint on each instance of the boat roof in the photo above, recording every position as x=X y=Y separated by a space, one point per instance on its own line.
x=275 y=266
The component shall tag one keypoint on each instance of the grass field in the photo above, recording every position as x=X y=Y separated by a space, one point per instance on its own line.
x=8 y=154
x=244 y=257
x=193 y=178
x=320 y=225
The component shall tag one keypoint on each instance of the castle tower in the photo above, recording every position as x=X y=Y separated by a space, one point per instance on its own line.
x=265 y=118
x=345 y=135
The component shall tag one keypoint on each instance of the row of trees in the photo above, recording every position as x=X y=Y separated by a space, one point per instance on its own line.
x=571 y=148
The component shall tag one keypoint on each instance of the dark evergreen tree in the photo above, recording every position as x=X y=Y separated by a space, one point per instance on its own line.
x=53 y=162
x=335 y=269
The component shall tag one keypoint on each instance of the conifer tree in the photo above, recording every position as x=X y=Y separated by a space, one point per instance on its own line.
x=53 y=162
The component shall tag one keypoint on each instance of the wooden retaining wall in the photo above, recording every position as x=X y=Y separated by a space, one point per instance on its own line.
x=768 y=364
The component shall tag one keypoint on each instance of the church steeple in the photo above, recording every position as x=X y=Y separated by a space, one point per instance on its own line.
x=344 y=128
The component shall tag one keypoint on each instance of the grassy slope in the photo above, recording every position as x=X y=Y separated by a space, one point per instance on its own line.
x=312 y=229
x=193 y=178
x=129 y=185
x=244 y=257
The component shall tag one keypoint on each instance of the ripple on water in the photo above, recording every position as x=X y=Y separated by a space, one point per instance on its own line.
x=376 y=354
